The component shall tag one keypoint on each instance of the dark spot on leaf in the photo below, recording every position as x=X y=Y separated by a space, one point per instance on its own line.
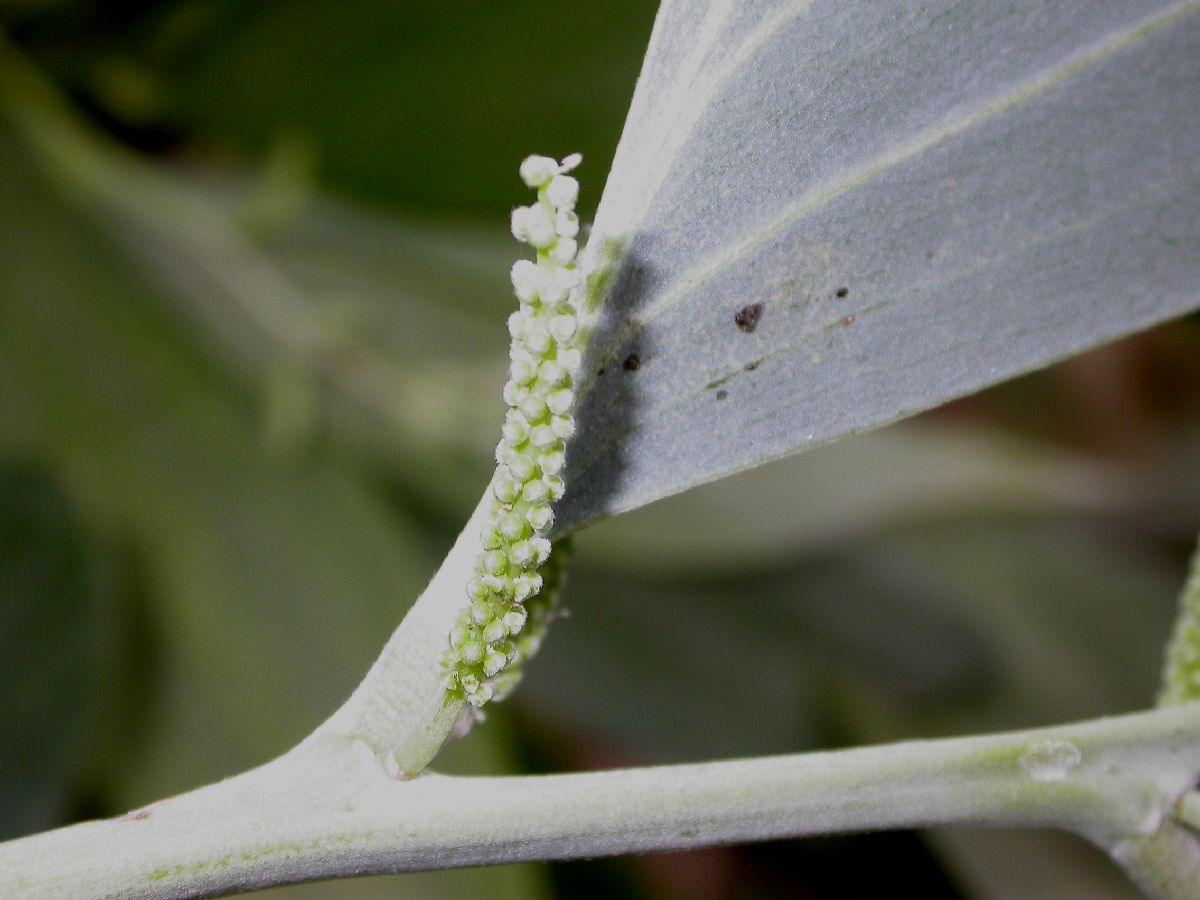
x=600 y=371
x=747 y=317
x=721 y=395
x=849 y=320
x=751 y=366
x=632 y=363
x=843 y=293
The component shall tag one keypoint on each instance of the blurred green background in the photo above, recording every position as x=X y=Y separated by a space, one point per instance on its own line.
x=253 y=279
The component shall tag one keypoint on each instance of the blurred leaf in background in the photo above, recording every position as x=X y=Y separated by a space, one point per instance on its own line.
x=253 y=281
x=58 y=607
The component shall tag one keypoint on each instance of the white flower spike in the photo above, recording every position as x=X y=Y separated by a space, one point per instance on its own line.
x=509 y=599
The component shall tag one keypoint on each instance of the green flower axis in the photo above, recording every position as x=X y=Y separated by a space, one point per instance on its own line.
x=514 y=582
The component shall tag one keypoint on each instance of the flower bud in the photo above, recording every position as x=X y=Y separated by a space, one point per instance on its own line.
x=554 y=486
x=563 y=426
x=535 y=492
x=562 y=328
x=522 y=469
x=505 y=489
x=542 y=547
x=571 y=359
x=493 y=631
x=566 y=223
x=542 y=436
x=563 y=190
x=525 y=279
x=564 y=250
x=493 y=663
x=551 y=463
x=537 y=170
x=540 y=517
x=539 y=226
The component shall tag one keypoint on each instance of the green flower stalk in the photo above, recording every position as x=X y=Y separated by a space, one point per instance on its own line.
x=512 y=568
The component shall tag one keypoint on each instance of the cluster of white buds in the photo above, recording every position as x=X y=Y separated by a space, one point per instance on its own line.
x=544 y=362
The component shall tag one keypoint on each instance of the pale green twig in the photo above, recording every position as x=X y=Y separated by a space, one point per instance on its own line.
x=327 y=809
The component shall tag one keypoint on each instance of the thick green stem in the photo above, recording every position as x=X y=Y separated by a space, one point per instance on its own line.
x=401 y=710
x=328 y=809
x=1165 y=865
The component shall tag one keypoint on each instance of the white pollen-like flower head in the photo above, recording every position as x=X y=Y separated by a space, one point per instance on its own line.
x=522 y=371
x=542 y=436
x=514 y=620
x=495 y=562
x=514 y=527
x=562 y=328
x=479 y=693
x=539 y=225
x=563 y=191
x=535 y=492
x=540 y=517
x=518 y=223
x=560 y=401
x=552 y=463
x=554 y=486
x=493 y=631
x=522 y=553
x=564 y=251
x=505 y=488
x=541 y=546
x=537 y=170
x=552 y=293
x=538 y=339
x=472 y=651
x=475 y=589
x=567 y=276
x=527 y=585
x=533 y=407
x=493 y=663
x=551 y=373
x=563 y=426
x=525 y=279
x=519 y=324
x=571 y=359
x=515 y=428
x=505 y=451
x=522 y=468
x=566 y=223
